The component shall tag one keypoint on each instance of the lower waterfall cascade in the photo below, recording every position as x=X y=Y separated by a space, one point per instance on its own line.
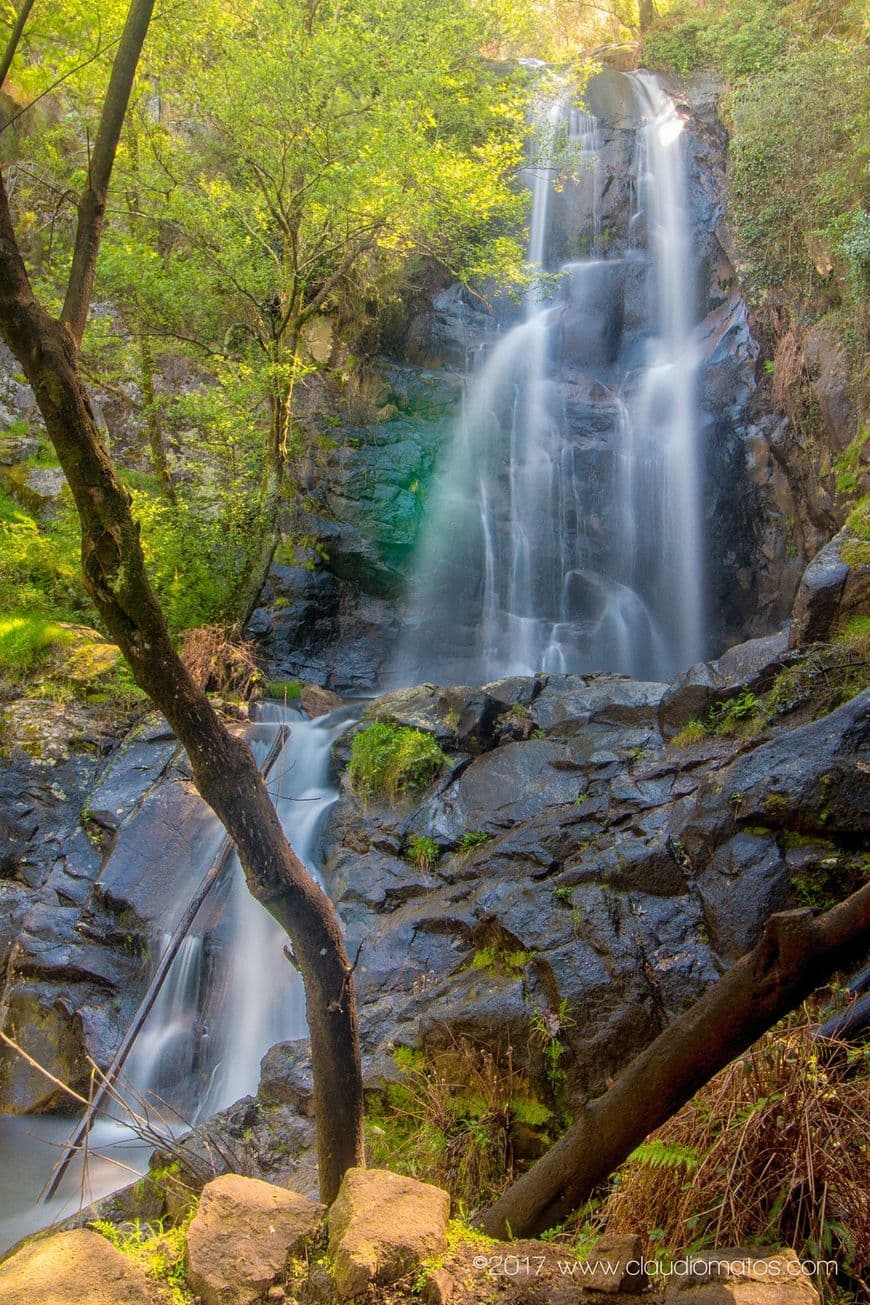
x=564 y=527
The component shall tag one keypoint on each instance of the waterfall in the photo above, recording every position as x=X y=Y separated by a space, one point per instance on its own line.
x=563 y=528
x=231 y=993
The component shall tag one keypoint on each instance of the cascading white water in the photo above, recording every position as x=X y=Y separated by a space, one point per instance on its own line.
x=564 y=527
x=217 y=1014
x=664 y=415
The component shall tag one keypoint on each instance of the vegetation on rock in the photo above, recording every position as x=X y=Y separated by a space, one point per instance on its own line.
x=389 y=760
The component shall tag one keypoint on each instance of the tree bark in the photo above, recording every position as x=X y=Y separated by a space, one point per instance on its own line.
x=14 y=39
x=92 y=204
x=153 y=425
x=797 y=954
x=115 y=578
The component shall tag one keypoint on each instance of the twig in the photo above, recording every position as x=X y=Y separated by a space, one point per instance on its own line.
x=40 y=1069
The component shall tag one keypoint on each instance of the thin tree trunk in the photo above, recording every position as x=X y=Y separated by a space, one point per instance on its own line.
x=153 y=427
x=223 y=768
x=14 y=39
x=797 y=954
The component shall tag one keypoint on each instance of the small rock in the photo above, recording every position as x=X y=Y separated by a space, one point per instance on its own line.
x=738 y=1276
x=318 y=701
x=241 y=1235
x=617 y=1264
x=442 y=1288
x=383 y=1226
x=73 y=1268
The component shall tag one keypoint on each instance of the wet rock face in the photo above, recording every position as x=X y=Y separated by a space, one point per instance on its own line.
x=834 y=588
x=585 y=861
x=76 y=937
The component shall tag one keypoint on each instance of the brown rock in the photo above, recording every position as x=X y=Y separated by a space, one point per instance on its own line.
x=615 y=1263
x=317 y=701
x=442 y=1288
x=382 y=1226
x=73 y=1268
x=241 y=1235
x=737 y=1276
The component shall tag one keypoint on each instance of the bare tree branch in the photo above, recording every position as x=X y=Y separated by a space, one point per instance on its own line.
x=92 y=205
x=14 y=39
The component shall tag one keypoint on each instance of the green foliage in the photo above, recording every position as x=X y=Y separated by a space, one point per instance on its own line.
x=694 y=731
x=799 y=126
x=548 y=1030
x=728 y=717
x=796 y=164
x=473 y=838
x=27 y=640
x=199 y=559
x=659 y=1154
x=388 y=760
x=675 y=41
x=422 y=852
x=40 y=565
x=157 y=1250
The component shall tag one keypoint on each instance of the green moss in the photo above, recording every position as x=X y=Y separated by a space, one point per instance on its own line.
x=501 y=960
x=388 y=759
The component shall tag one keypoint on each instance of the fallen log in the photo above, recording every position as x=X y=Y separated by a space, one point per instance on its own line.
x=797 y=953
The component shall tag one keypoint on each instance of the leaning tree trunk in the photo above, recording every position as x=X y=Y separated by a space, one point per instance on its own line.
x=797 y=954
x=223 y=768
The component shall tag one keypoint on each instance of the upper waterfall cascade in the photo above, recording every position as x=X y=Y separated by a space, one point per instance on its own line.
x=564 y=527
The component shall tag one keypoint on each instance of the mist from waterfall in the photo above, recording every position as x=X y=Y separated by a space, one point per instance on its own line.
x=564 y=526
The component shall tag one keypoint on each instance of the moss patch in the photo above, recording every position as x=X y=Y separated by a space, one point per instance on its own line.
x=387 y=760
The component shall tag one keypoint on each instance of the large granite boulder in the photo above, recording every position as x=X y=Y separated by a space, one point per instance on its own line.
x=73 y=1268
x=383 y=1226
x=241 y=1236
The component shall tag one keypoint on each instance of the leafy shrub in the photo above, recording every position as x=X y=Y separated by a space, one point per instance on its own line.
x=199 y=557
x=796 y=162
x=387 y=760
x=40 y=566
x=675 y=41
x=473 y=838
x=422 y=852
